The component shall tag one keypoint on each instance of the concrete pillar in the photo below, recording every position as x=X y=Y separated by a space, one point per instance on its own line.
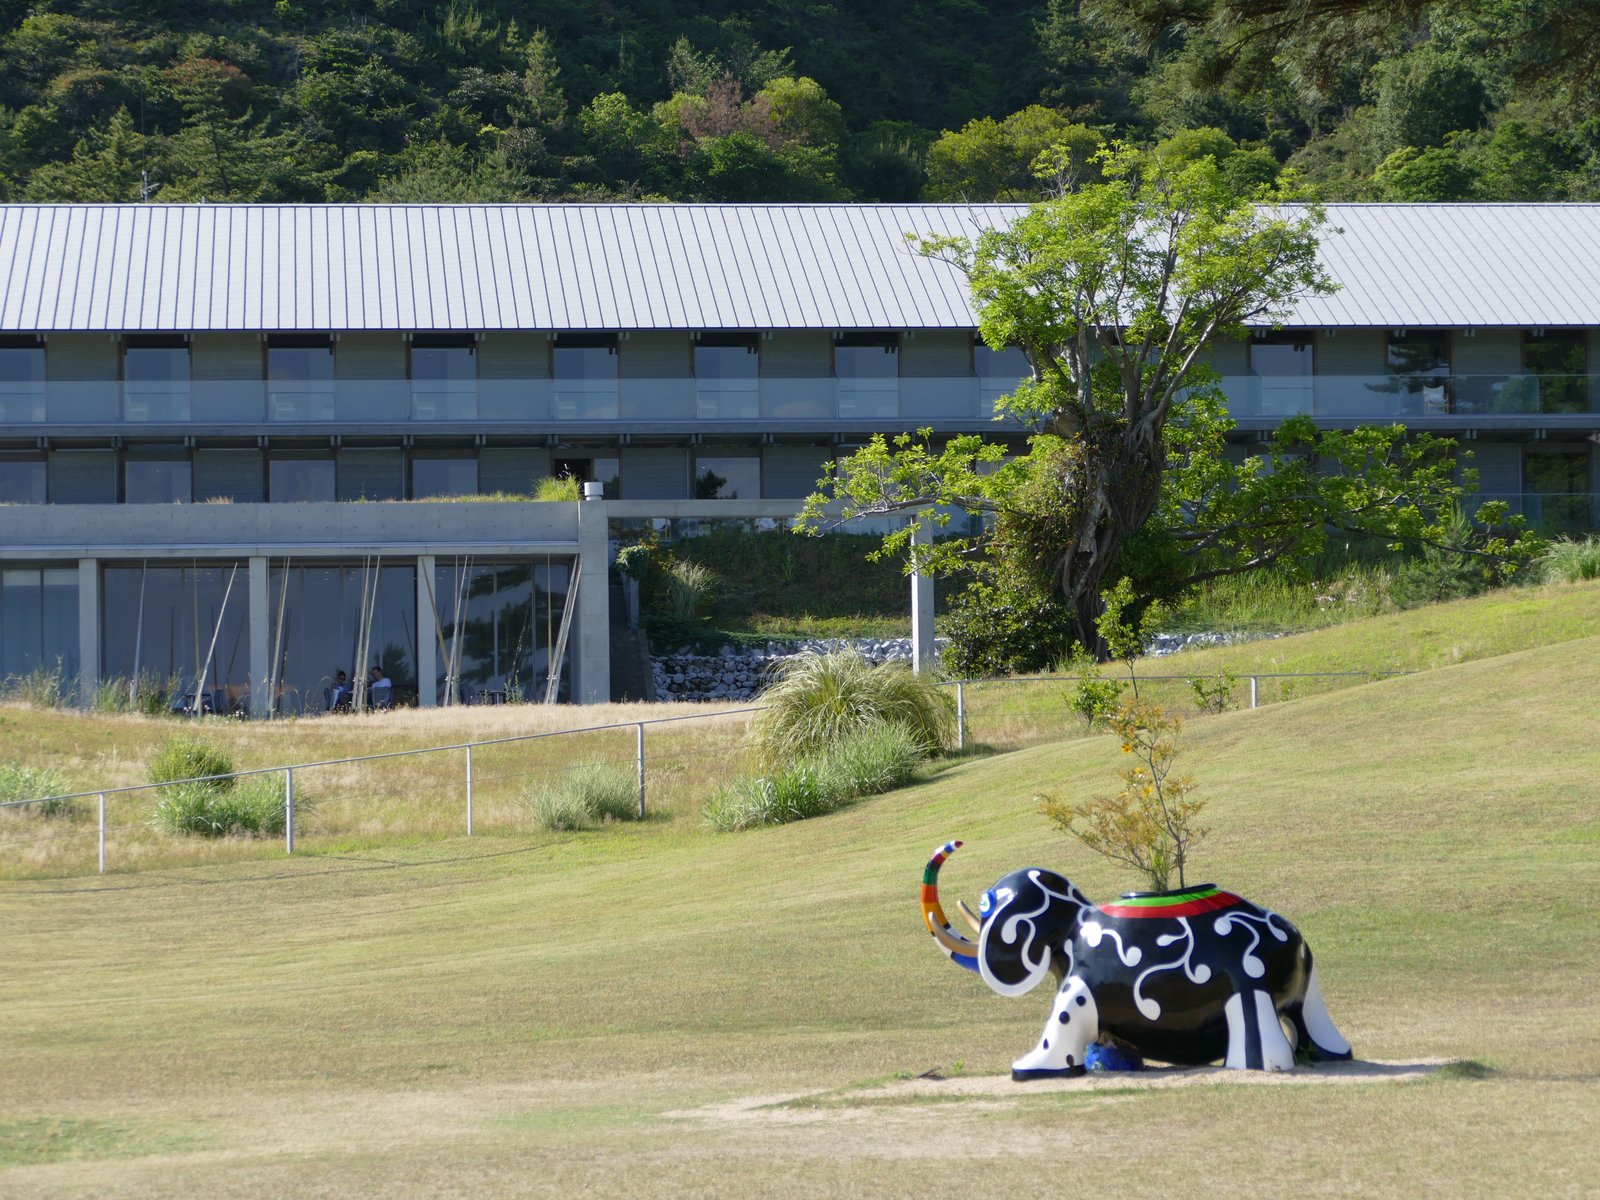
x=88 y=630
x=922 y=659
x=260 y=638
x=427 y=633
x=590 y=642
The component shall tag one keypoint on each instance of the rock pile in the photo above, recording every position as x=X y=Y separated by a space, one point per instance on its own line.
x=732 y=674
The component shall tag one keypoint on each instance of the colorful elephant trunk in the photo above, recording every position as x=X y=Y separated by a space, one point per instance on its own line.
x=962 y=952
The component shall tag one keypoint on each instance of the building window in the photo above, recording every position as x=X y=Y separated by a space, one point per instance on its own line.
x=299 y=378
x=868 y=369
x=500 y=623
x=300 y=478
x=21 y=380
x=999 y=372
x=39 y=621
x=327 y=611
x=727 y=372
x=155 y=377
x=590 y=469
x=1556 y=490
x=443 y=475
x=161 y=621
x=22 y=481
x=1281 y=361
x=1419 y=365
x=727 y=475
x=1558 y=359
x=584 y=368
x=444 y=377
x=156 y=480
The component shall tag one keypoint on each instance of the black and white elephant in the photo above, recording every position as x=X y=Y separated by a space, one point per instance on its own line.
x=1186 y=977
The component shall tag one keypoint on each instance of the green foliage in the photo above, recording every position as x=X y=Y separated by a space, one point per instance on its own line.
x=587 y=794
x=689 y=587
x=815 y=700
x=19 y=781
x=1571 y=560
x=1213 y=693
x=865 y=762
x=251 y=807
x=996 y=629
x=1448 y=569
x=1151 y=823
x=1094 y=696
x=42 y=687
x=561 y=490
x=188 y=757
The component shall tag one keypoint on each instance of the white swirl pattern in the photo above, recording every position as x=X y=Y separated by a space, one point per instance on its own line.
x=1197 y=972
x=1253 y=965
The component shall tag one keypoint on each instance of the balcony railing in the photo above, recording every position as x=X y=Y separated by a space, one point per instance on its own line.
x=1397 y=397
x=892 y=401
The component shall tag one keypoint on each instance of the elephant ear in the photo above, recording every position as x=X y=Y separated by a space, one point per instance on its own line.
x=1026 y=917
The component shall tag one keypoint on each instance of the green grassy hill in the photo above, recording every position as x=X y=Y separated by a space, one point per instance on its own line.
x=520 y=1016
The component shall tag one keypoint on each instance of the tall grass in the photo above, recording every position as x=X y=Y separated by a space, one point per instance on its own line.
x=1275 y=601
x=42 y=687
x=590 y=793
x=816 y=700
x=1571 y=560
x=19 y=781
x=871 y=760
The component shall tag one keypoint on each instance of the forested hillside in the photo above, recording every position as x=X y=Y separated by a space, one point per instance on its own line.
x=230 y=100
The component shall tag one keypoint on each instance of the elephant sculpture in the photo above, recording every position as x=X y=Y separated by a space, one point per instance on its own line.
x=1187 y=977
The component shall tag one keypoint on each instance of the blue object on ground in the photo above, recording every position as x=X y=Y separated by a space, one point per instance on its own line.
x=1102 y=1057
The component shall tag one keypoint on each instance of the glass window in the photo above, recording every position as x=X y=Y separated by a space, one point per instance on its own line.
x=999 y=372
x=1419 y=359
x=324 y=626
x=1282 y=361
x=38 y=621
x=1556 y=483
x=443 y=477
x=727 y=476
x=21 y=380
x=1559 y=359
x=584 y=367
x=868 y=370
x=159 y=623
x=444 y=377
x=295 y=479
x=155 y=378
x=22 y=481
x=727 y=369
x=299 y=378
x=156 y=481
x=591 y=470
x=500 y=620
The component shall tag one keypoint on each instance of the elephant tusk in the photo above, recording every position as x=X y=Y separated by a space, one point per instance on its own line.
x=972 y=917
x=963 y=952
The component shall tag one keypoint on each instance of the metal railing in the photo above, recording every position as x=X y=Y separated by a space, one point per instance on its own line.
x=473 y=776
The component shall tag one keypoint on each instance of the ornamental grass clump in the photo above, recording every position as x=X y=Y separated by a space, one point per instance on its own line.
x=200 y=796
x=816 y=700
x=876 y=759
x=589 y=794
x=1571 y=560
x=19 y=781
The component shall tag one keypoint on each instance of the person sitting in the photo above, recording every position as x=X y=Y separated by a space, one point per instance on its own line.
x=380 y=690
x=339 y=694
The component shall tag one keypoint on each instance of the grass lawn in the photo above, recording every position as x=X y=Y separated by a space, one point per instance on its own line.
x=518 y=1015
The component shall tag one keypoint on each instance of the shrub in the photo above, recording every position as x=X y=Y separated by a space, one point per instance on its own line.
x=689 y=587
x=1003 y=631
x=865 y=763
x=18 y=781
x=189 y=757
x=563 y=489
x=252 y=806
x=1571 y=560
x=1094 y=697
x=588 y=794
x=816 y=700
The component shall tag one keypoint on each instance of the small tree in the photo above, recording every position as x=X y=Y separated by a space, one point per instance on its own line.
x=1150 y=825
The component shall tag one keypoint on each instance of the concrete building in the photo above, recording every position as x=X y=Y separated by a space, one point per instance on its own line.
x=242 y=437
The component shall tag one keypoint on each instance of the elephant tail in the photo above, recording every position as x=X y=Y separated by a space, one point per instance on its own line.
x=962 y=952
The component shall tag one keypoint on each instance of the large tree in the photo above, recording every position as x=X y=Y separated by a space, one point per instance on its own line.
x=1116 y=293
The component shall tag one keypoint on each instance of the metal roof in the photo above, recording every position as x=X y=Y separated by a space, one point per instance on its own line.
x=695 y=266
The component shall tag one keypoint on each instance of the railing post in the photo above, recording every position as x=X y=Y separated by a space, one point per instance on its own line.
x=102 y=833
x=1255 y=695
x=469 y=791
x=288 y=810
x=639 y=758
x=961 y=714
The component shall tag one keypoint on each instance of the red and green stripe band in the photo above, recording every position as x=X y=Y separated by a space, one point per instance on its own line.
x=1183 y=904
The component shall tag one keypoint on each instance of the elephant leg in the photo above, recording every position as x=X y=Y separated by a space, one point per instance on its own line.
x=1074 y=1024
x=1319 y=1038
x=1256 y=1042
